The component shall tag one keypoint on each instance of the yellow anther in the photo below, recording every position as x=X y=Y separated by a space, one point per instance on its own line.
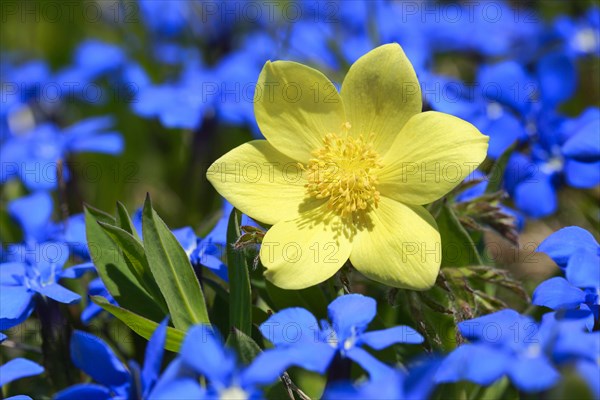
x=344 y=171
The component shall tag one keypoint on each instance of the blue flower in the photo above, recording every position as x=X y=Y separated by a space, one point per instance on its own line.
x=202 y=354
x=577 y=253
x=201 y=251
x=34 y=156
x=508 y=344
x=167 y=18
x=504 y=343
x=17 y=368
x=33 y=214
x=581 y=134
x=37 y=274
x=580 y=36
x=388 y=383
x=206 y=252
x=90 y=354
x=512 y=104
x=300 y=340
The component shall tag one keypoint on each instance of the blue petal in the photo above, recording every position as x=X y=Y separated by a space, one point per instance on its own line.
x=177 y=382
x=375 y=368
x=58 y=293
x=582 y=175
x=107 y=143
x=419 y=382
x=503 y=131
x=187 y=238
x=33 y=213
x=590 y=372
x=215 y=265
x=476 y=363
x=39 y=174
x=562 y=244
x=583 y=269
x=88 y=391
x=536 y=196
x=351 y=314
x=50 y=257
x=558 y=78
x=573 y=342
x=399 y=334
x=533 y=374
x=556 y=293
x=203 y=351
x=584 y=146
x=291 y=326
x=18 y=368
x=11 y=273
x=89 y=127
x=91 y=311
x=2 y=337
x=271 y=363
x=519 y=168
x=497 y=327
x=388 y=388
x=219 y=231
x=95 y=358
x=17 y=305
x=77 y=271
x=508 y=83
x=74 y=235
x=153 y=357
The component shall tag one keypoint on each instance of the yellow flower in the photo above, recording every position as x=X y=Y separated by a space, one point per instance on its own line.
x=343 y=175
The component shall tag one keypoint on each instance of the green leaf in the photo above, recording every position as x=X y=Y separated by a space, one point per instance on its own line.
x=245 y=347
x=110 y=263
x=124 y=221
x=458 y=249
x=173 y=272
x=240 y=292
x=496 y=175
x=135 y=257
x=140 y=325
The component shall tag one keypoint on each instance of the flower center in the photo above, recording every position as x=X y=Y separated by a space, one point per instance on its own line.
x=344 y=171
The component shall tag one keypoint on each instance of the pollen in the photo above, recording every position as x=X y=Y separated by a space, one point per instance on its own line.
x=344 y=171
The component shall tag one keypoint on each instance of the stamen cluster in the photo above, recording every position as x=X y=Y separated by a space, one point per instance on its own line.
x=344 y=171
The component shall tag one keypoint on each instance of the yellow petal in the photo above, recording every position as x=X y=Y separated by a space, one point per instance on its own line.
x=433 y=153
x=380 y=93
x=295 y=107
x=304 y=251
x=259 y=181
x=402 y=248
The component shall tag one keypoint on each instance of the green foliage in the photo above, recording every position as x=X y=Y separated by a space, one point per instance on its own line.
x=150 y=279
x=140 y=325
x=458 y=248
x=118 y=276
x=239 y=264
x=172 y=271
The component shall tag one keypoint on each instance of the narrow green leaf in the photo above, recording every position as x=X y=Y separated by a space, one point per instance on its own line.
x=140 y=325
x=135 y=258
x=240 y=292
x=458 y=249
x=110 y=263
x=173 y=272
x=124 y=221
x=496 y=175
x=245 y=347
